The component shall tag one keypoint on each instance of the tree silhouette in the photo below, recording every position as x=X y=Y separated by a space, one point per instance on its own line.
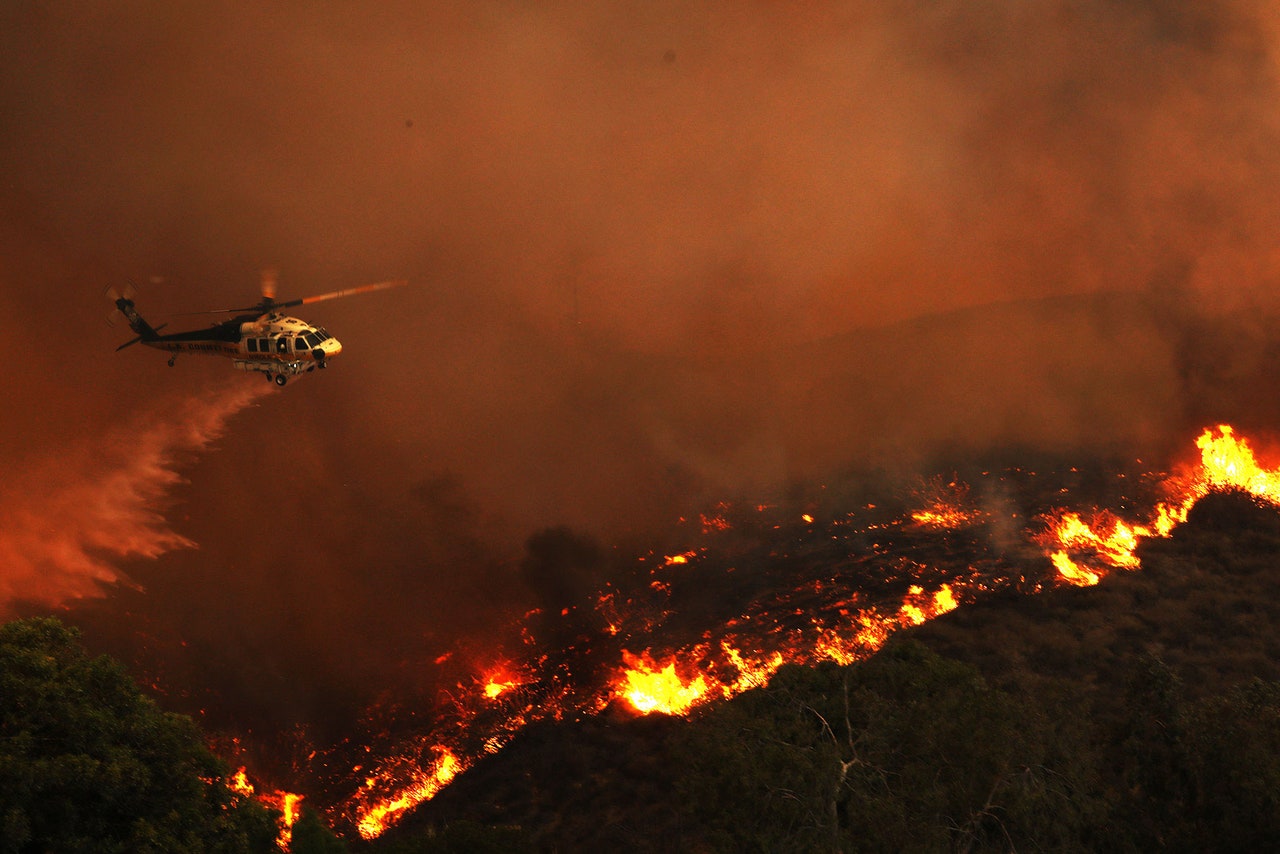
x=87 y=763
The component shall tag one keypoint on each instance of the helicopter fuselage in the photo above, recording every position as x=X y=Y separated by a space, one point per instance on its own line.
x=262 y=340
x=270 y=339
x=270 y=343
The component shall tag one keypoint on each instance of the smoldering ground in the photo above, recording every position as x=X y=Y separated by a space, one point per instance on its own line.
x=661 y=253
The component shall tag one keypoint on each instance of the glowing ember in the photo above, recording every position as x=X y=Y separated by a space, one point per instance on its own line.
x=941 y=517
x=714 y=523
x=947 y=505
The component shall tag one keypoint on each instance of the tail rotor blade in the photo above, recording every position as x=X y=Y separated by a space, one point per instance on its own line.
x=269 y=304
x=114 y=295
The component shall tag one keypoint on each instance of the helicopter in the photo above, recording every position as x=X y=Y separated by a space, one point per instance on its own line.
x=259 y=338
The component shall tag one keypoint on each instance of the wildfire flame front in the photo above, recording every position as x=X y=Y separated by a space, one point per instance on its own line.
x=824 y=618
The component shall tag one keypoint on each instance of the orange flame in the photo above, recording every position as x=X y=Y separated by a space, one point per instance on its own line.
x=1226 y=462
x=290 y=807
x=948 y=505
x=1081 y=549
x=649 y=687
x=751 y=674
x=288 y=803
x=497 y=682
x=441 y=772
x=493 y=690
x=1229 y=462
x=239 y=783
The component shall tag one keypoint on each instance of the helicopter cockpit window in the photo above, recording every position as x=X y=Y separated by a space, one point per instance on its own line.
x=312 y=339
x=299 y=343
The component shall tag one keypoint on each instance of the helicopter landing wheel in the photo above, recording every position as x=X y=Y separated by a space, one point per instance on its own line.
x=281 y=379
x=171 y=359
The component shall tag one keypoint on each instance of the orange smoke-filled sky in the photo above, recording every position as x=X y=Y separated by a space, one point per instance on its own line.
x=659 y=251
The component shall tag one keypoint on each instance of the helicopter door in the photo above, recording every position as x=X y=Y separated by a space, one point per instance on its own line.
x=282 y=344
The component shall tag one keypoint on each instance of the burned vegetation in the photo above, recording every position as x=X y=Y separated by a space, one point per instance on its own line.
x=1137 y=713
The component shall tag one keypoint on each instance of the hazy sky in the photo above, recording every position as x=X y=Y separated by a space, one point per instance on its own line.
x=628 y=226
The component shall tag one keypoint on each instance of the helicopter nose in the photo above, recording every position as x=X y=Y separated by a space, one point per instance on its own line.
x=335 y=346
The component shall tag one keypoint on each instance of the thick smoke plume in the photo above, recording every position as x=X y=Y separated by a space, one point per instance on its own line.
x=67 y=520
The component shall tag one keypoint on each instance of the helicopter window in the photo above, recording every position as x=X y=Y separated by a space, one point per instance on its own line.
x=282 y=345
x=299 y=343
x=253 y=345
x=312 y=339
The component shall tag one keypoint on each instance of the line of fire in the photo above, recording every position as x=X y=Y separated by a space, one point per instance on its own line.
x=754 y=587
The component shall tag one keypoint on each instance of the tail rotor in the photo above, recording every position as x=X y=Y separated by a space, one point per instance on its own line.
x=115 y=295
x=122 y=300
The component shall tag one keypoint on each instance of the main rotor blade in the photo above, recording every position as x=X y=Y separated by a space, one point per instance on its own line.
x=258 y=308
x=270 y=305
x=346 y=292
x=268 y=281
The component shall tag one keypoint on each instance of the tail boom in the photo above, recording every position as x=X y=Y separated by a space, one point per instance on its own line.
x=141 y=328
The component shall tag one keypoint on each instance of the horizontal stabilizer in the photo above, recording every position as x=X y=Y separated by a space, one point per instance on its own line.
x=139 y=338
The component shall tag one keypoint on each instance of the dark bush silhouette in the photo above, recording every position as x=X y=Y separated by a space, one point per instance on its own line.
x=89 y=764
x=1234 y=511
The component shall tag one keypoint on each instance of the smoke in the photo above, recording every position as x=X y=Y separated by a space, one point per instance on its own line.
x=661 y=254
x=67 y=520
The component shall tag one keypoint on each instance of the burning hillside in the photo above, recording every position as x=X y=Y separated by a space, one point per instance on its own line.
x=746 y=588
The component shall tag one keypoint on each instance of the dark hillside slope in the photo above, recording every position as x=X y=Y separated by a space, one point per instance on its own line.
x=1206 y=602
x=1142 y=713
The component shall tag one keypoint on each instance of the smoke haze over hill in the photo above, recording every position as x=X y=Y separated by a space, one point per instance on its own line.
x=660 y=252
